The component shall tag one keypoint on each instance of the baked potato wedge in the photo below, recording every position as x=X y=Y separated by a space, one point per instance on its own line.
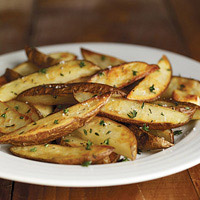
x=43 y=60
x=145 y=114
x=43 y=110
x=101 y=130
x=186 y=85
x=61 y=73
x=11 y=75
x=147 y=141
x=24 y=109
x=55 y=94
x=61 y=154
x=153 y=85
x=99 y=59
x=11 y=120
x=26 y=68
x=57 y=124
x=122 y=75
x=167 y=134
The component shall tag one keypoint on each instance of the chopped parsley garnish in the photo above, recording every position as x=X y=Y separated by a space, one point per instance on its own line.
x=134 y=73
x=168 y=69
x=86 y=163
x=102 y=123
x=106 y=141
x=96 y=133
x=55 y=121
x=145 y=127
x=150 y=111
x=142 y=105
x=90 y=130
x=132 y=114
x=162 y=113
x=3 y=115
x=21 y=117
x=108 y=132
x=61 y=74
x=151 y=89
x=28 y=111
x=103 y=57
x=10 y=126
x=34 y=123
x=21 y=132
x=124 y=159
x=178 y=132
x=34 y=149
x=85 y=132
x=43 y=71
x=81 y=64
x=94 y=95
x=67 y=140
x=101 y=73
x=187 y=108
x=16 y=107
x=88 y=145
x=59 y=106
x=66 y=110
x=46 y=145
x=182 y=87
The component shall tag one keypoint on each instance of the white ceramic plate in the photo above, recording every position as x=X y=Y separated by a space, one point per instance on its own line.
x=148 y=166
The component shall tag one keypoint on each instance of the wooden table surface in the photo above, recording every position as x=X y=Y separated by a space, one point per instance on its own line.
x=173 y=25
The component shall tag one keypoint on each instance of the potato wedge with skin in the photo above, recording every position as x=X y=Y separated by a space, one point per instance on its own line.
x=43 y=110
x=144 y=114
x=167 y=134
x=147 y=141
x=101 y=130
x=56 y=125
x=24 y=109
x=189 y=86
x=122 y=75
x=61 y=73
x=55 y=94
x=43 y=60
x=26 y=68
x=3 y=80
x=11 y=120
x=99 y=59
x=61 y=154
x=153 y=85
x=11 y=75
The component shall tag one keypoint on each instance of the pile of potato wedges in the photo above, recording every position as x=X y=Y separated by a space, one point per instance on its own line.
x=98 y=110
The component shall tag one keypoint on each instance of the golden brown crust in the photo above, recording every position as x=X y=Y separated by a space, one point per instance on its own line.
x=11 y=75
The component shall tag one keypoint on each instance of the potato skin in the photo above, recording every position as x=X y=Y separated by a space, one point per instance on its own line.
x=61 y=154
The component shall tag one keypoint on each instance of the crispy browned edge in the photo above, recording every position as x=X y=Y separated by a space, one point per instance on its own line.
x=83 y=51
x=157 y=96
x=147 y=141
x=74 y=161
x=63 y=89
x=151 y=125
x=58 y=131
x=38 y=58
x=150 y=70
x=11 y=75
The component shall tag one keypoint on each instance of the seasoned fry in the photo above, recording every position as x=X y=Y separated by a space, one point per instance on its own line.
x=153 y=85
x=43 y=110
x=99 y=59
x=61 y=154
x=61 y=73
x=43 y=60
x=122 y=75
x=147 y=141
x=101 y=130
x=57 y=124
x=26 y=68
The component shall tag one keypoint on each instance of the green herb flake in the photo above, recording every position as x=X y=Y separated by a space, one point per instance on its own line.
x=94 y=95
x=103 y=57
x=67 y=140
x=34 y=149
x=151 y=89
x=59 y=106
x=16 y=107
x=81 y=64
x=124 y=159
x=21 y=117
x=85 y=132
x=96 y=133
x=21 y=132
x=162 y=113
x=150 y=111
x=86 y=163
x=3 y=115
x=55 y=97
x=142 y=105
x=61 y=74
x=134 y=73
x=46 y=145
x=102 y=123
x=34 y=123
x=178 y=132
x=43 y=71
x=168 y=69
x=66 y=110
x=10 y=126
x=55 y=121
x=90 y=130
x=28 y=111
x=88 y=145
x=108 y=132
x=106 y=141
x=145 y=127
x=101 y=73
x=132 y=114
x=187 y=108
